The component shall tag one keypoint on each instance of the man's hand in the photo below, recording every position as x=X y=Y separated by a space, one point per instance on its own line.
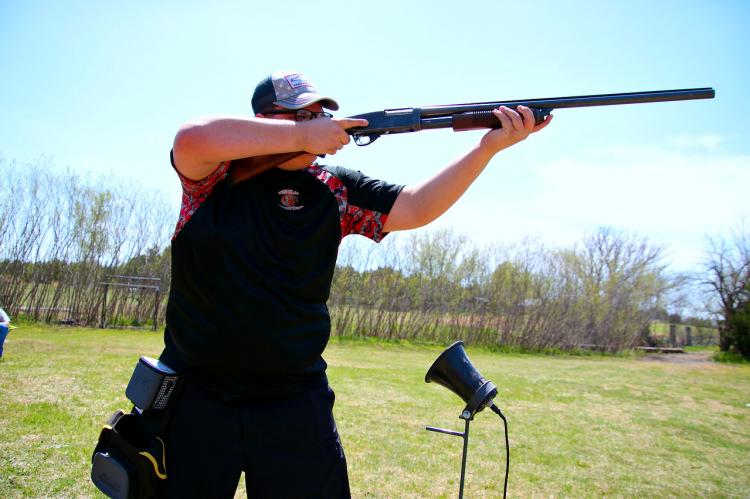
x=517 y=125
x=327 y=135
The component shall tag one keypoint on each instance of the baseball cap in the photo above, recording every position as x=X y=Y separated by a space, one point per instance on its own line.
x=290 y=90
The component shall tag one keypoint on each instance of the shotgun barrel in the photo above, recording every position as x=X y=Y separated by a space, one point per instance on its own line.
x=479 y=114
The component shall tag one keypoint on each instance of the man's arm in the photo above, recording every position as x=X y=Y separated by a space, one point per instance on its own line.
x=419 y=205
x=201 y=145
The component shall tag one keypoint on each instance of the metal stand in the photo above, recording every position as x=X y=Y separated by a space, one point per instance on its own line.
x=466 y=416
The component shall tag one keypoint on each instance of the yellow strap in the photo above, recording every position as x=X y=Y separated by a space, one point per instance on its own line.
x=151 y=458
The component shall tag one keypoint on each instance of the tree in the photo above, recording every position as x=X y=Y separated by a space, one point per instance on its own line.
x=727 y=277
x=617 y=279
x=741 y=327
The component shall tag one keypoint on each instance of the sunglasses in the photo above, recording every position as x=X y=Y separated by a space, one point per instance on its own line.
x=301 y=114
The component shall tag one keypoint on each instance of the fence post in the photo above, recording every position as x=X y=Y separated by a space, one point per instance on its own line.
x=104 y=305
x=673 y=334
x=156 y=306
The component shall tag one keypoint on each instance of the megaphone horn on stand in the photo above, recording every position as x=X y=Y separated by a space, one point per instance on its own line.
x=453 y=370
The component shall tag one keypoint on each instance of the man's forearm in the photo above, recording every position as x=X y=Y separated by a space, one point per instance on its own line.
x=421 y=204
x=202 y=144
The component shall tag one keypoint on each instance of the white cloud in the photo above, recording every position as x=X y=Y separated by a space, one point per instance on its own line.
x=706 y=141
x=673 y=197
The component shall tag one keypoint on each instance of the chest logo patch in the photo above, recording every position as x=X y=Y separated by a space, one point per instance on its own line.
x=289 y=200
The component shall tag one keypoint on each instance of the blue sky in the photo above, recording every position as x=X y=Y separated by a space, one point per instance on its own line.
x=103 y=89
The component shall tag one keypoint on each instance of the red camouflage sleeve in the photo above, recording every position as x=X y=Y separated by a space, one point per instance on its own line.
x=195 y=192
x=354 y=219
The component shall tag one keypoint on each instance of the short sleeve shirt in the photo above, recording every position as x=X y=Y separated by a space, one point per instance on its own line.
x=252 y=265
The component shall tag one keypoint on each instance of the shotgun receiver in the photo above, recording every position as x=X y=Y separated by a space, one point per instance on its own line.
x=479 y=115
x=469 y=117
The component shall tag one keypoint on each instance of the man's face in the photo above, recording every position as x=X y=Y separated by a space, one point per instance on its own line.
x=290 y=114
x=280 y=113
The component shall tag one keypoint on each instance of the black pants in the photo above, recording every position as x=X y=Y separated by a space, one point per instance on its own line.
x=287 y=447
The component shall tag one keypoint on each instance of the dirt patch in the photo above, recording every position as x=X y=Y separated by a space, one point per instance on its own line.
x=680 y=358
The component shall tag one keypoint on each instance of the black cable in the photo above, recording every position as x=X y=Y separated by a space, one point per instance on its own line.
x=497 y=411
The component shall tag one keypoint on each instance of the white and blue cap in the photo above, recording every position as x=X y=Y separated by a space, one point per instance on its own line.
x=290 y=90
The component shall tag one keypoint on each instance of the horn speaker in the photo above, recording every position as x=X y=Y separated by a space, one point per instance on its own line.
x=453 y=370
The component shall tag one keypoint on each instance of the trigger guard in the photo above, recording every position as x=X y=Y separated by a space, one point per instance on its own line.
x=360 y=139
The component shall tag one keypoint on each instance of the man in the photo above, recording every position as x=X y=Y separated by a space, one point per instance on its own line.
x=252 y=264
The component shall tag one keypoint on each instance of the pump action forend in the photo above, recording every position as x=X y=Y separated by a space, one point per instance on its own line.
x=479 y=114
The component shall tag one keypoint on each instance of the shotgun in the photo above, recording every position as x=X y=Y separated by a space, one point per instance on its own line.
x=468 y=117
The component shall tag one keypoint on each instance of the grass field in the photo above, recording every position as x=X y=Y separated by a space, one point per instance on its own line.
x=588 y=426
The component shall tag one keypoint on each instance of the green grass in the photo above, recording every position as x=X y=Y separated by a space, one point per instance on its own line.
x=730 y=358
x=580 y=426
